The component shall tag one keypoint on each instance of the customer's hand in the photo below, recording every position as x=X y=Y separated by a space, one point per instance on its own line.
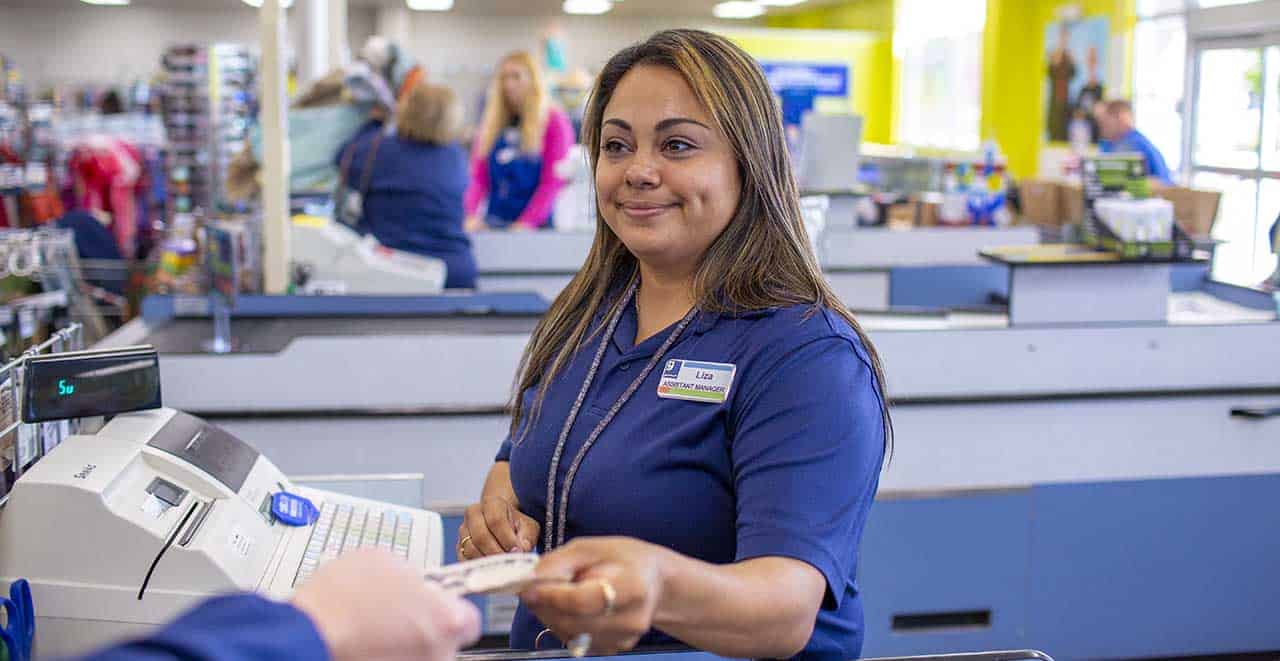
x=372 y=605
x=519 y=227
x=615 y=591
x=474 y=224
x=496 y=525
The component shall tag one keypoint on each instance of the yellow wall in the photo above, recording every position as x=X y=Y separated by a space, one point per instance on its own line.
x=1013 y=66
x=874 y=84
x=1013 y=86
x=854 y=49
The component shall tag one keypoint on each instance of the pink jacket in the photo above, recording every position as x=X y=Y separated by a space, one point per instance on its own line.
x=555 y=146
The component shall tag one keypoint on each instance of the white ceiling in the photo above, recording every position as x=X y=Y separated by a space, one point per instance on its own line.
x=472 y=7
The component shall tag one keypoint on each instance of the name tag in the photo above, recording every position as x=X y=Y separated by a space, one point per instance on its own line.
x=696 y=381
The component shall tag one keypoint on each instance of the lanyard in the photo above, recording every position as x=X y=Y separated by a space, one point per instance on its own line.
x=550 y=541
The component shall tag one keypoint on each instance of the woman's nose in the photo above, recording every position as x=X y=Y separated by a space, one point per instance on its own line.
x=642 y=174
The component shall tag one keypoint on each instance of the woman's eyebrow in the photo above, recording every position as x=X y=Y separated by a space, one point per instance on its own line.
x=663 y=125
x=676 y=121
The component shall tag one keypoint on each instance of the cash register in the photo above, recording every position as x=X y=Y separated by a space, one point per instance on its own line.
x=120 y=530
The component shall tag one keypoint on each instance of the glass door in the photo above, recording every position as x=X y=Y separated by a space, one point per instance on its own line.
x=1235 y=149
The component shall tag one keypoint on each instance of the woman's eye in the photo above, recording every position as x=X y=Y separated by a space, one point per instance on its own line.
x=678 y=146
x=613 y=147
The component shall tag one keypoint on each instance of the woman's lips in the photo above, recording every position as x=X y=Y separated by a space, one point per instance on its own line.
x=644 y=210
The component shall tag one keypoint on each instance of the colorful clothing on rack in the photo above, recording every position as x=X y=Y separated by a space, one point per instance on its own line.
x=108 y=175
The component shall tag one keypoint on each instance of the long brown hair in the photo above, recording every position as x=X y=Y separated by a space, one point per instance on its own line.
x=533 y=114
x=762 y=259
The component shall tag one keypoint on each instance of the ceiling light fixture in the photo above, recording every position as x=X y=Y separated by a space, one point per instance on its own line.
x=258 y=3
x=106 y=3
x=737 y=9
x=429 y=5
x=587 y=7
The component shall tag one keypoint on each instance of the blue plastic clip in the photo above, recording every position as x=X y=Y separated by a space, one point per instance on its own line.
x=293 y=510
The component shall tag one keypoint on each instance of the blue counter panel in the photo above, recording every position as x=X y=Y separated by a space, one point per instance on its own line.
x=1156 y=568
x=946 y=286
x=932 y=560
x=158 y=308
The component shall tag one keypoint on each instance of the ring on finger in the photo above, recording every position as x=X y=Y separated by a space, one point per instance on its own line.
x=579 y=645
x=462 y=545
x=610 y=597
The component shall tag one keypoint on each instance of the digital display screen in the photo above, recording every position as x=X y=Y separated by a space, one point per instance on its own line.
x=90 y=383
x=167 y=491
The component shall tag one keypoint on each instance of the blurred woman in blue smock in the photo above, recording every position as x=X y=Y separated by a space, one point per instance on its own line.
x=412 y=181
x=521 y=140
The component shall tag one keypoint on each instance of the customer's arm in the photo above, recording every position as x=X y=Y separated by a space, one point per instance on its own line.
x=364 y=605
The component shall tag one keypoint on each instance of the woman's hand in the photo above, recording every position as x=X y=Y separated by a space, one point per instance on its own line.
x=616 y=586
x=496 y=525
x=473 y=224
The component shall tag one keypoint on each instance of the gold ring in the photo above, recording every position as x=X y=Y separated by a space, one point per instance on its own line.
x=610 y=597
x=580 y=645
x=462 y=543
x=537 y=642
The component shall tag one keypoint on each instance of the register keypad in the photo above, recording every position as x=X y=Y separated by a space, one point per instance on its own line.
x=343 y=528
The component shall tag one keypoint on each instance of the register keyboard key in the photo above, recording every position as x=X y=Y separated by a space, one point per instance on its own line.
x=343 y=528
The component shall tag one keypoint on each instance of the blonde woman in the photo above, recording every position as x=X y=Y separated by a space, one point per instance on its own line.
x=699 y=423
x=412 y=182
x=521 y=138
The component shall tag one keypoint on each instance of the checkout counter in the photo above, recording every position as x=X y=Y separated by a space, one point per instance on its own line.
x=120 y=529
x=1088 y=489
x=871 y=268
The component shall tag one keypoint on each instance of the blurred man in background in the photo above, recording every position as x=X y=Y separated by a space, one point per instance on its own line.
x=1115 y=124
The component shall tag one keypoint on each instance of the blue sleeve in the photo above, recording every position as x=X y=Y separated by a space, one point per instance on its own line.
x=527 y=398
x=233 y=628
x=1156 y=167
x=807 y=447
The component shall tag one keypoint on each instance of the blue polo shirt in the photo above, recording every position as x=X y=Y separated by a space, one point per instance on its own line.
x=1135 y=142
x=787 y=466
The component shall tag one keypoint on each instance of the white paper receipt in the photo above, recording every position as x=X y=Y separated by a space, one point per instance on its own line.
x=696 y=381
x=508 y=573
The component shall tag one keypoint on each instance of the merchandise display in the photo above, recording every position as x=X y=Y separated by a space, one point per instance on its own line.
x=210 y=100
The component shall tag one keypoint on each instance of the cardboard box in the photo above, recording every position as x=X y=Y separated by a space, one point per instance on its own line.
x=1194 y=209
x=1040 y=201
x=1070 y=203
x=1050 y=202
x=901 y=215
x=930 y=209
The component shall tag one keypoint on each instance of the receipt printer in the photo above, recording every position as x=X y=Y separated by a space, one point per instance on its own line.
x=121 y=530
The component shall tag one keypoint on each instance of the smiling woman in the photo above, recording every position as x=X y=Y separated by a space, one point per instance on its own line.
x=716 y=493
